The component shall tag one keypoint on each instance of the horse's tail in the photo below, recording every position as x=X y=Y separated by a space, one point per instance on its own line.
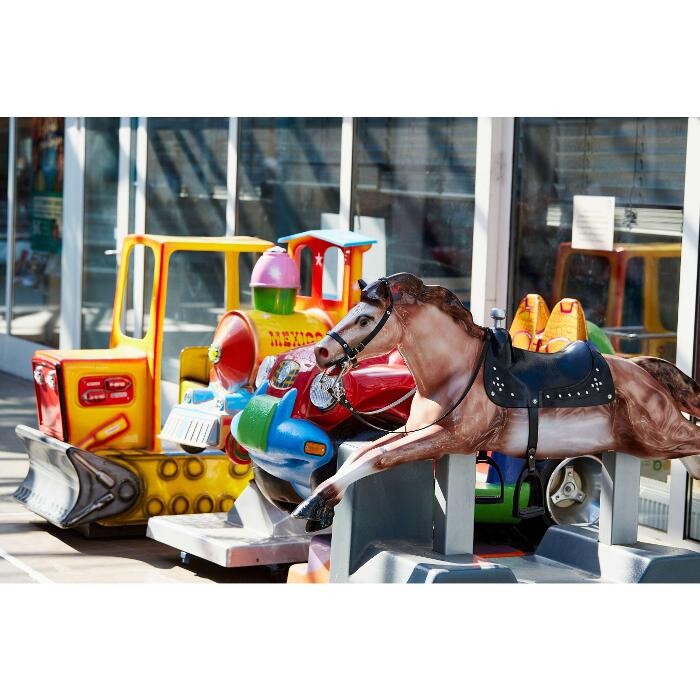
x=684 y=389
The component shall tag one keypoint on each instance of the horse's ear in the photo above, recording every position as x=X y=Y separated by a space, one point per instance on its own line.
x=361 y=284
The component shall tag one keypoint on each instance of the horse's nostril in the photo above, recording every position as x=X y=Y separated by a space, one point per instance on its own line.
x=322 y=352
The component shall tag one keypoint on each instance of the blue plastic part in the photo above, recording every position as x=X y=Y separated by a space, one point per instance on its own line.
x=236 y=401
x=195 y=396
x=338 y=237
x=510 y=467
x=285 y=457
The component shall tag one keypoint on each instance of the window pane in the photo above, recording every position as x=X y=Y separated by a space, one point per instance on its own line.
x=186 y=176
x=4 y=147
x=694 y=524
x=38 y=221
x=633 y=289
x=414 y=185
x=100 y=221
x=196 y=300
x=136 y=309
x=288 y=175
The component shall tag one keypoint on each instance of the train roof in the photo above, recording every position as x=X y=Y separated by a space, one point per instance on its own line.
x=338 y=237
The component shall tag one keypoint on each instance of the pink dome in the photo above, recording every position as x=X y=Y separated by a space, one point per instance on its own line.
x=275 y=269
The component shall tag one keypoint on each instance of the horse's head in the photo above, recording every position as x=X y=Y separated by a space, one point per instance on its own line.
x=354 y=337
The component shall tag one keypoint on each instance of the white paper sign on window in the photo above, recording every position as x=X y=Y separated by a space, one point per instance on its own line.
x=594 y=223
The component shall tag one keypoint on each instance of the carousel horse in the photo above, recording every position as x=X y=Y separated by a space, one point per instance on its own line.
x=476 y=391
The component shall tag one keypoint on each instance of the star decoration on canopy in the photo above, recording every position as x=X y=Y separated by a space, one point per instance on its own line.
x=319 y=260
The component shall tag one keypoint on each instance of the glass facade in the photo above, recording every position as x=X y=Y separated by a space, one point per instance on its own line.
x=413 y=182
x=38 y=222
x=186 y=188
x=4 y=155
x=694 y=524
x=632 y=291
x=195 y=302
x=99 y=222
x=414 y=191
x=288 y=175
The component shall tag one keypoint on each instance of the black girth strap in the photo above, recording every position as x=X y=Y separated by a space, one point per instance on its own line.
x=577 y=376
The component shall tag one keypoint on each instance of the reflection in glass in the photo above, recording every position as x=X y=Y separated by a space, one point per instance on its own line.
x=414 y=185
x=138 y=292
x=100 y=220
x=4 y=148
x=631 y=291
x=195 y=302
x=694 y=520
x=288 y=174
x=186 y=188
x=38 y=222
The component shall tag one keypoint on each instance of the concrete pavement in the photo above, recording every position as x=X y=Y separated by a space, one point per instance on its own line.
x=33 y=551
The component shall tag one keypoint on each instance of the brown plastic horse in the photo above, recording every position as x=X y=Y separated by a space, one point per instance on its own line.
x=441 y=345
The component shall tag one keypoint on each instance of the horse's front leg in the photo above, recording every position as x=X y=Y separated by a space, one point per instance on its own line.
x=360 y=451
x=425 y=444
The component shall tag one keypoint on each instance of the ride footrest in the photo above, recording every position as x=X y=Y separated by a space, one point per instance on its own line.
x=500 y=497
x=535 y=507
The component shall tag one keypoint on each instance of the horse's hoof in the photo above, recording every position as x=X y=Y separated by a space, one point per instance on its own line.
x=310 y=509
x=317 y=511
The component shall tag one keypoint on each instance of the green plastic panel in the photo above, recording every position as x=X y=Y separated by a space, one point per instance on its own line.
x=254 y=423
x=598 y=337
x=499 y=512
x=274 y=300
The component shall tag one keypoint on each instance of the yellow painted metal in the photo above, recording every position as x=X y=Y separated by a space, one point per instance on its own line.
x=163 y=247
x=276 y=333
x=175 y=484
x=195 y=369
x=124 y=426
x=651 y=254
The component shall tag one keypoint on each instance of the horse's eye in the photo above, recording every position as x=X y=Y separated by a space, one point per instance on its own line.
x=364 y=322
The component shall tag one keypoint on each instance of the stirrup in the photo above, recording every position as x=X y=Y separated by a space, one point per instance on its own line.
x=535 y=507
x=491 y=500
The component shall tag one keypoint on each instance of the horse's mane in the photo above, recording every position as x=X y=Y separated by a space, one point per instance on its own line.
x=404 y=284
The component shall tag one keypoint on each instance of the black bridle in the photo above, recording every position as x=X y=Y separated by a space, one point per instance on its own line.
x=350 y=360
x=351 y=353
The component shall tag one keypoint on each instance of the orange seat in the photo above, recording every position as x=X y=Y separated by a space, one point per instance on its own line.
x=566 y=323
x=529 y=322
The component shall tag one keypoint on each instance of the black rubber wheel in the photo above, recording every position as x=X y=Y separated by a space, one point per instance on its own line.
x=192 y=450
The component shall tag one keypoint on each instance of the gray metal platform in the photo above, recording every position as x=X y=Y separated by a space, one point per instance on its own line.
x=389 y=528
x=252 y=533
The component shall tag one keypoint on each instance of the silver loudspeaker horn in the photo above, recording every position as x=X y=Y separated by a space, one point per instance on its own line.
x=573 y=491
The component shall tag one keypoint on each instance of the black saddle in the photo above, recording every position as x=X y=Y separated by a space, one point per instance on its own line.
x=513 y=378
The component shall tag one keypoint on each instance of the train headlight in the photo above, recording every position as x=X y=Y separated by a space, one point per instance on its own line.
x=264 y=370
x=321 y=391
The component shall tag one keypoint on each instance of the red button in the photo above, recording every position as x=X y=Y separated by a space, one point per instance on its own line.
x=117 y=384
x=94 y=396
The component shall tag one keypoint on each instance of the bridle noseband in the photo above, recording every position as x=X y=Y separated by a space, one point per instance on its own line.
x=351 y=353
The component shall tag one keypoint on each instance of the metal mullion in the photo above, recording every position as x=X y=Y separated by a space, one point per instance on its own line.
x=232 y=177
x=123 y=183
x=140 y=222
x=347 y=142
x=10 y=257
x=492 y=209
x=70 y=303
x=687 y=311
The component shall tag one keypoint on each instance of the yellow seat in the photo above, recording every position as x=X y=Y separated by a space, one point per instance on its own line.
x=566 y=323
x=529 y=322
